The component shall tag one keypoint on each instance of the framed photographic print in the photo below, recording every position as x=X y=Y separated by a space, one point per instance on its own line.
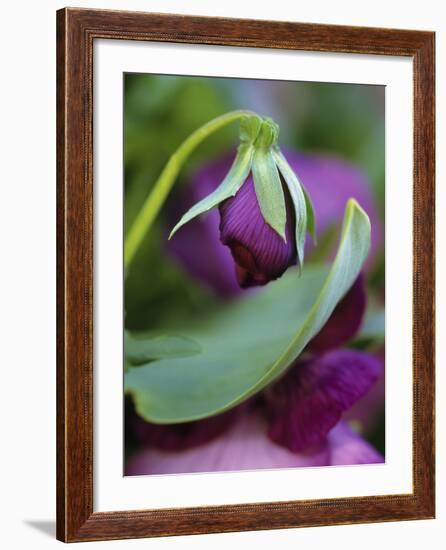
x=245 y=275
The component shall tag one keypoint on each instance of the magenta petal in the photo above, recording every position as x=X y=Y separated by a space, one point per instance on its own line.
x=260 y=254
x=176 y=437
x=368 y=412
x=347 y=447
x=244 y=447
x=309 y=400
x=344 y=322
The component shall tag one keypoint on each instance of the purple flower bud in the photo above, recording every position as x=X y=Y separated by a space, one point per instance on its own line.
x=329 y=181
x=259 y=253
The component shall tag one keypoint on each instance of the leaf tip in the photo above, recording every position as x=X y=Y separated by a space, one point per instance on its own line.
x=176 y=228
x=280 y=230
x=353 y=207
x=282 y=234
x=354 y=204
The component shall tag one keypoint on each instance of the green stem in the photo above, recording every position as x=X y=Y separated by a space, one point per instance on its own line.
x=164 y=184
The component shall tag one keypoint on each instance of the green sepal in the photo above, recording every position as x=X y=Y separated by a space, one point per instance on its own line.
x=299 y=202
x=311 y=217
x=234 y=179
x=268 y=134
x=269 y=192
x=249 y=128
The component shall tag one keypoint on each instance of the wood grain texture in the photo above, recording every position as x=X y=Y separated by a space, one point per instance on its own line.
x=76 y=31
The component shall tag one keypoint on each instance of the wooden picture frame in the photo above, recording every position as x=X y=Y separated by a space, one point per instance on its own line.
x=77 y=29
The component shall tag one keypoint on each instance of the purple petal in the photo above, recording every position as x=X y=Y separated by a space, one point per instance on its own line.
x=309 y=400
x=344 y=322
x=244 y=447
x=347 y=447
x=367 y=412
x=260 y=254
x=176 y=437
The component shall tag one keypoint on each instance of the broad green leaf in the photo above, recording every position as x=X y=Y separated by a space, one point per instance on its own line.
x=141 y=349
x=234 y=179
x=252 y=341
x=298 y=198
x=269 y=190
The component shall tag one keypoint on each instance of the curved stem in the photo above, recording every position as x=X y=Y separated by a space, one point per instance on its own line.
x=164 y=184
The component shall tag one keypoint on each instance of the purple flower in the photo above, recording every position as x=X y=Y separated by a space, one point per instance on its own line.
x=265 y=211
x=245 y=446
x=328 y=180
x=312 y=396
x=296 y=421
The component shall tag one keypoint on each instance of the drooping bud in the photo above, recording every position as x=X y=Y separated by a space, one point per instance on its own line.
x=264 y=218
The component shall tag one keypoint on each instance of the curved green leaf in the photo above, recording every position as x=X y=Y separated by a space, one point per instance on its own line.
x=269 y=190
x=234 y=179
x=250 y=342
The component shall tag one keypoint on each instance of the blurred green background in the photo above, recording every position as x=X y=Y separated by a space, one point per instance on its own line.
x=160 y=111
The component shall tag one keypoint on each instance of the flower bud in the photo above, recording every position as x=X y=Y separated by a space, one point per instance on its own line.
x=265 y=211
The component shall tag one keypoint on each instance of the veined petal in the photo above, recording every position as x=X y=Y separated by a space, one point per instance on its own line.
x=300 y=201
x=228 y=188
x=309 y=400
x=260 y=254
x=269 y=192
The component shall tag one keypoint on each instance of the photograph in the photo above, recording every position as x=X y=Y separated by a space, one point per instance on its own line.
x=223 y=235
x=254 y=274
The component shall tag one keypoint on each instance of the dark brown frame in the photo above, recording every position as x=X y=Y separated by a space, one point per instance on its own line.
x=76 y=31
